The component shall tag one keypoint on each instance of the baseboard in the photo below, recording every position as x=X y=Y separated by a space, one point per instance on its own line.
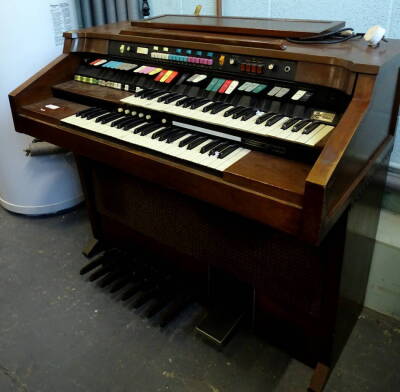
x=43 y=209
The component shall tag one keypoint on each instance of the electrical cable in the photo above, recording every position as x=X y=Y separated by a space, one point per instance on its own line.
x=333 y=37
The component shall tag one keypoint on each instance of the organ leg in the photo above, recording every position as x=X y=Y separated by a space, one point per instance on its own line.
x=319 y=378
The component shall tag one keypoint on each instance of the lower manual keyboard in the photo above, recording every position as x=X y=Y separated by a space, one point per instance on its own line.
x=214 y=152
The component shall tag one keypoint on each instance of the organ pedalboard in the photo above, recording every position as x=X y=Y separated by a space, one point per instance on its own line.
x=250 y=167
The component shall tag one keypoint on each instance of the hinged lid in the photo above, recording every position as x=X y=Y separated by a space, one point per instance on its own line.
x=237 y=25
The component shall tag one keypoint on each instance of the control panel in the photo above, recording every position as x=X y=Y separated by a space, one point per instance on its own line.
x=255 y=66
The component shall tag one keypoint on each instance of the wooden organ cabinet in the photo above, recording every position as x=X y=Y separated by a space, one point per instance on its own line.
x=222 y=147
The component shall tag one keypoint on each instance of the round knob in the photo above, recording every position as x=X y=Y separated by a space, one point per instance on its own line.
x=127 y=111
x=271 y=67
x=120 y=110
x=134 y=113
x=232 y=61
x=164 y=120
x=141 y=115
x=148 y=117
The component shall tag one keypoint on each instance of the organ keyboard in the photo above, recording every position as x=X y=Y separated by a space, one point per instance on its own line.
x=225 y=147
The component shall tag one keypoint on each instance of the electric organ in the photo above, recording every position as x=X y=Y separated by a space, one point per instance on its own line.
x=222 y=147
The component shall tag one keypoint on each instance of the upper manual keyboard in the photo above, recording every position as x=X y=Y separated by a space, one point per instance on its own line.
x=276 y=110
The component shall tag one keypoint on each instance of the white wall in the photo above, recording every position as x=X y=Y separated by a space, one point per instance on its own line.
x=40 y=184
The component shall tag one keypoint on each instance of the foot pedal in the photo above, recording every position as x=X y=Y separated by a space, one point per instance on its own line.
x=219 y=324
x=92 y=248
x=157 y=287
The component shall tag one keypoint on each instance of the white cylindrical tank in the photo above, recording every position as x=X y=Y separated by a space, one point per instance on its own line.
x=30 y=32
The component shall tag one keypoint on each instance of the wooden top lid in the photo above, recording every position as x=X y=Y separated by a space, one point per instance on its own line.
x=247 y=26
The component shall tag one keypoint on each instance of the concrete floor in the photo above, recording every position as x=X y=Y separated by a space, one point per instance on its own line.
x=60 y=333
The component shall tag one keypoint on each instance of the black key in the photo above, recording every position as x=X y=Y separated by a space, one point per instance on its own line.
x=177 y=135
x=243 y=113
x=219 y=108
x=183 y=101
x=310 y=127
x=249 y=115
x=111 y=117
x=95 y=114
x=211 y=106
x=160 y=132
x=120 y=120
x=124 y=122
x=232 y=111
x=196 y=142
x=132 y=124
x=82 y=112
x=210 y=145
x=264 y=117
x=189 y=104
x=142 y=128
x=287 y=124
x=151 y=128
x=162 y=99
x=167 y=134
x=140 y=93
x=228 y=150
x=103 y=116
x=188 y=140
x=174 y=98
x=196 y=105
x=94 y=110
x=156 y=94
x=240 y=113
x=218 y=148
x=274 y=120
x=148 y=93
x=301 y=124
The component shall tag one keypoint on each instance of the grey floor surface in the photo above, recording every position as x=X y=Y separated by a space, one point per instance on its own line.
x=60 y=333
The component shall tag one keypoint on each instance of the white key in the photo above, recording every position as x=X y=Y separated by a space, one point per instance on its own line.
x=286 y=132
x=229 y=161
x=218 y=162
x=296 y=135
x=173 y=148
x=197 y=157
x=319 y=135
x=218 y=118
x=197 y=113
x=195 y=152
x=302 y=138
x=250 y=123
x=275 y=129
